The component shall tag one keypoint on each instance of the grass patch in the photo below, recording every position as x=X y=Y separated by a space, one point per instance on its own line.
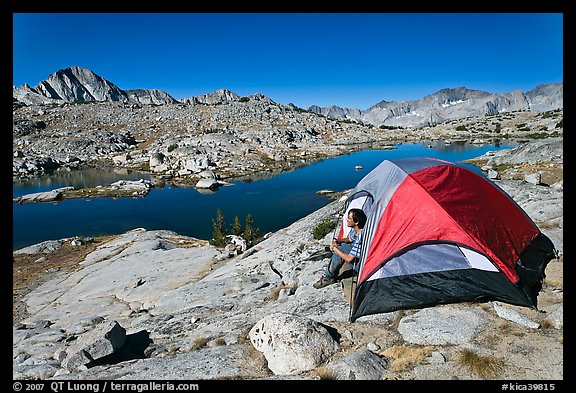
x=484 y=366
x=106 y=191
x=479 y=162
x=275 y=293
x=404 y=357
x=504 y=327
x=546 y=324
x=502 y=167
x=324 y=373
x=186 y=242
x=254 y=355
x=199 y=343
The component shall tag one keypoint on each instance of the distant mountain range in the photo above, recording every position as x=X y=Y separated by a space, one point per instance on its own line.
x=450 y=104
x=76 y=84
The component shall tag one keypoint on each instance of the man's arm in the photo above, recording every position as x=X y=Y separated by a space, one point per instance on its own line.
x=346 y=257
x=343 y=240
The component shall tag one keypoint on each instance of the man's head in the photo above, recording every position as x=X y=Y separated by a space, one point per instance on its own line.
x=356 y=217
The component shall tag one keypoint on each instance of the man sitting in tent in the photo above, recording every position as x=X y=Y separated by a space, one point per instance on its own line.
x=345 y=250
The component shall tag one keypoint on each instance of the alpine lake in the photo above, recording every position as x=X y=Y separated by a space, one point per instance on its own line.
x=273 y=203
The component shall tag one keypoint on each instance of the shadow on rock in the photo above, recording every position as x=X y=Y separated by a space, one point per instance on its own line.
x=333 y=332
x=132 y=349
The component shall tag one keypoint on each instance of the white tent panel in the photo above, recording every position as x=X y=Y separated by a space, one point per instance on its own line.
x=433 y=258
x=478 y=261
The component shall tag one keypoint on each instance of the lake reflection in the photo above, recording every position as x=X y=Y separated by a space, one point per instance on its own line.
x=274 y=203
x=78 y=179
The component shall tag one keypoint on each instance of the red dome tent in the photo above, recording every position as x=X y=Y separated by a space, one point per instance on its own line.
x=439 y=233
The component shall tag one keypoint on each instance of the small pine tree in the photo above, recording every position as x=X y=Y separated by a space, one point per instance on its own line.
x=219 y=234
x=248 y=231
x=255 y=236
x=236 y=228
x=251 y=233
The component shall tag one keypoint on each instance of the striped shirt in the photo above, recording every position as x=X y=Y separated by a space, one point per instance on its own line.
x=356 y=242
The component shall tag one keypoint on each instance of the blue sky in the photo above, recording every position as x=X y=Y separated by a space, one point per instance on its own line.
x=352 y=60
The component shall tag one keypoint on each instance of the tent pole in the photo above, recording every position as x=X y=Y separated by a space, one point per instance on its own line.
x=339 y=224
x=352 y=292
x=341 y=211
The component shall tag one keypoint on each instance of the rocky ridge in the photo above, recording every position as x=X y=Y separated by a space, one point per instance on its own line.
x=157 y=305
x=77 y=84
x=177 y=141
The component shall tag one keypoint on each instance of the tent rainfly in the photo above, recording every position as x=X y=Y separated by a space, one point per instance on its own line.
x=439 y=233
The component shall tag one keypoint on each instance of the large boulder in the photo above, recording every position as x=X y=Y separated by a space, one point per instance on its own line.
x=359 y=365
x=292 y=344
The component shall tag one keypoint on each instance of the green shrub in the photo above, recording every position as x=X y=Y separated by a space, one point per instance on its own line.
x=322 y=229
x=538 y=135
x=171 y=147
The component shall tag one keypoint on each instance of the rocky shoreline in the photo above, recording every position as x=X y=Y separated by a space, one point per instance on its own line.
x=158 y=305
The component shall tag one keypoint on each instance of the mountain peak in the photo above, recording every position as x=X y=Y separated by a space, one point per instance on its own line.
x=77 y=84
x=76 y=72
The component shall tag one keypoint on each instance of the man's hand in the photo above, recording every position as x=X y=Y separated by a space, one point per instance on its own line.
x=334 y=245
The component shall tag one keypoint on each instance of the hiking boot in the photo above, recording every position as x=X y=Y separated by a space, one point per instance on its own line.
x=323 y=282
